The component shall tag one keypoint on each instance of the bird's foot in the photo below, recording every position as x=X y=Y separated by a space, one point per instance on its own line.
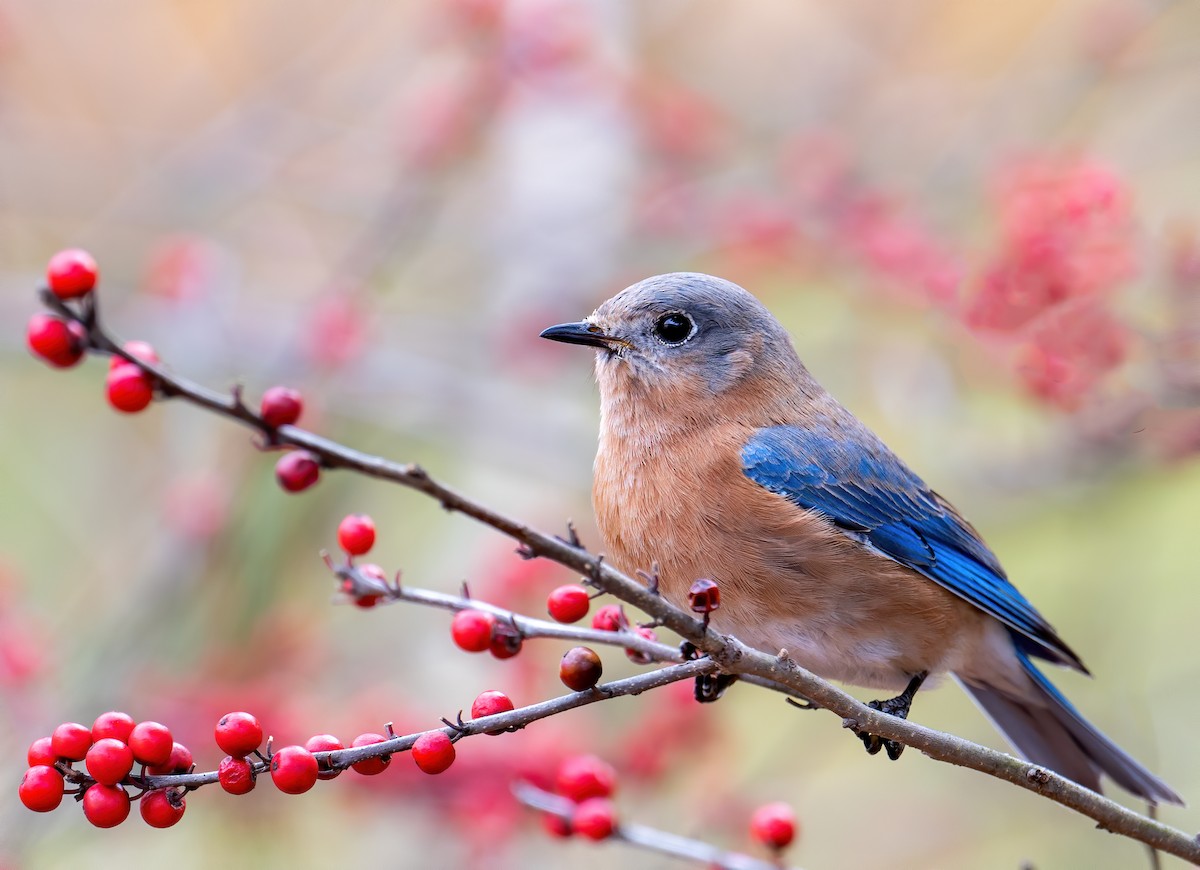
x=898 y=707
x=710 y=687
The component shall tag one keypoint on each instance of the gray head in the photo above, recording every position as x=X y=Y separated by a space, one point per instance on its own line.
x=681 y=329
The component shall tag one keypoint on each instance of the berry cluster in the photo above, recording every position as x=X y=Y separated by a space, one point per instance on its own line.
x=588 y=782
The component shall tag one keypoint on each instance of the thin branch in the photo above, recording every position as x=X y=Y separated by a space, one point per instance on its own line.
x=732 y=655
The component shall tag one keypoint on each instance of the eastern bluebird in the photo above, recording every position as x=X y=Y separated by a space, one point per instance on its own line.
x=720 y=456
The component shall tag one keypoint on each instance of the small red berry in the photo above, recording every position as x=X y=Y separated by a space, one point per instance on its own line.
x=433 y=752
x=293 y=770
x=641 y=658
x=55 y=341
x=370 y=766
x=297 y=471
x=773 y=825
x=610 y=617
x=324 y=743
x=236 y=775
x=594 y=818
x=105 y=806
x=151 y=743
x=71 y=273
x=41 y=751
x=556 y=826
x=580 y=669
x=281 y=406
x=140 y=349
x=162 y=808
x=568 y=603
x=585 y=776
x=129 y=389
x=71 y=741
x=506 y=641
x=238 y=734
x=179 y=762
x=356 y=534
x=109 y=760
x=490 y=703
x=704 y=596
x=41 y=788
x=472 y=630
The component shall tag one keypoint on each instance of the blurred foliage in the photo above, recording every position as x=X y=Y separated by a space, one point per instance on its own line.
x=383 y=203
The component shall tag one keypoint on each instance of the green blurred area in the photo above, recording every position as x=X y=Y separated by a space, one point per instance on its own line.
x=245 y=175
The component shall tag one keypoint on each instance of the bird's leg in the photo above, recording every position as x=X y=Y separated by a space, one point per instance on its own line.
x=710 y=687
x=897 y=706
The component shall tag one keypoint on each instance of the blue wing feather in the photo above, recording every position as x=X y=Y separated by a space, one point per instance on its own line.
x=876 y=499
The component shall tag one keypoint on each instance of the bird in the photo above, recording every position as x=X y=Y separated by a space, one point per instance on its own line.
x=721 y=457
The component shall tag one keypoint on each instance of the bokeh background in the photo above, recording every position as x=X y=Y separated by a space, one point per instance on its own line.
x=978 y=220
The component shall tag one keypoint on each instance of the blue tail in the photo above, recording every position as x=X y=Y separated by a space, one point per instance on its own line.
x=1049 y=731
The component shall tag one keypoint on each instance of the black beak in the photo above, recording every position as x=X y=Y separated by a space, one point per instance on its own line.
x=581 y=333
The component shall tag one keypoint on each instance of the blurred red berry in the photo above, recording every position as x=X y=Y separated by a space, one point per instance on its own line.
x=297 y=471
x=105 y=806
x=41 y=788
x=236 y=775
x=109 y=760
x=370 y=766
x=640 y=658
x=71 y=273
x=490 y=703
x=180 y=761
x=140 y=349
x=433 y=752
x=773 y=825
x=594 y=818
x=356 y=534
x=580 y=669
x=71 y=741
x=238 y=734
x=162 y=808
x=129 y=389
x=55 y=341
x=472 y=630
x=293 y=770
x=281 y=406
x=556 y=826
x=568 y=603
x=585 y=776
x=610 y=617
x=704 y=596
x=506 y=641
x=41 y=751
x=324 y=743
x=151 y=743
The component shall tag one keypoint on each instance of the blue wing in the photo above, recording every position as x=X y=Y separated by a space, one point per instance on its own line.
x=874 y=498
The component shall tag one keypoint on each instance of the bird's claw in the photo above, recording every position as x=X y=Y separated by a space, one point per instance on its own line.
x=710 y=687
x=898 y=707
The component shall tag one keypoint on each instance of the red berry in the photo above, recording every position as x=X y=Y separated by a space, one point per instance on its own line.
x=293 y=770
x=556 y=826
x=41 y=788
x=370 y=766
x=151 y=743
x=297 y=471
x=610 y=617
x=238 y=734
x=114 y=724
x=324 y=743
x=362 y=597
x=162 y=807
x=506 y=641
x=105 y=806
x=236 y=775
x=704 y=596
x=594 y=818
x=129 y=389
x=41 y=751
x=472 y=630
x=773 y=825
x=55 y=341
x=568 y=603
x=179 y=762
x=71 y=741
x=356 y=534
x=109 y=760
x=71 y=273
x=490 y=703
x=585 y=776
x=140 y=349
x=281 y=406
x=433 y=752
x=580 y=669
x=641 y=658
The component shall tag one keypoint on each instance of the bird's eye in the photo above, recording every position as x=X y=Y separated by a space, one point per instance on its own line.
x=674 y=328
